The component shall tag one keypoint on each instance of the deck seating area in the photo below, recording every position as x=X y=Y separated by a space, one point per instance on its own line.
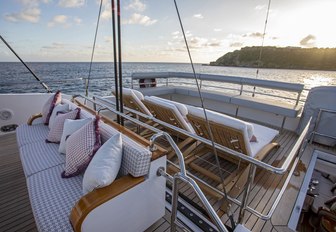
x=55 y=199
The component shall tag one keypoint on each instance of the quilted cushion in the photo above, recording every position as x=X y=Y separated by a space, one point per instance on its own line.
x=81 y=147
x=104 y=166
x=56 y=131
x=135 y=159
x=49 y=106
x=26 y=134
x=52 y=198
x=70 y=126
x=59 y=108
x=39 y=156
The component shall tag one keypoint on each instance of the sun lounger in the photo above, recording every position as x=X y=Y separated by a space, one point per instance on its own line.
x=173 y=113
x=248 y=138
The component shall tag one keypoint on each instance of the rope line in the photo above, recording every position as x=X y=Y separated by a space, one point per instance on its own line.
x=204 y=111
x=262 y=45
x=87 y=84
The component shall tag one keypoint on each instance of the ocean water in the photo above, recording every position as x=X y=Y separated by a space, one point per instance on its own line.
x=70 y=77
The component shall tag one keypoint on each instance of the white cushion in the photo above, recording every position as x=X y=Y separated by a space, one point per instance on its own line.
x=138 y=94
x=181 y=107
x=57 y=108
x=264 y=135
x=137 y=97
x=104 y=166
x=172 y=107
x=70 y=126
x=49 y=105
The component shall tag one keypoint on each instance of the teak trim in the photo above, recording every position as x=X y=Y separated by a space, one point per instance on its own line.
x=98 y=197
x=159 y=152
x=32 y=118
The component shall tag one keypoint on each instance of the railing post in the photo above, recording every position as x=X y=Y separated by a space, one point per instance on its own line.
x=250 y=180
x=174 y=205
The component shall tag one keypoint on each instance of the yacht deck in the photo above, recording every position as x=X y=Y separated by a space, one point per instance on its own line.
x=16 y=214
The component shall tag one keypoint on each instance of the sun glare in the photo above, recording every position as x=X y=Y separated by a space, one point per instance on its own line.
x=315 y=21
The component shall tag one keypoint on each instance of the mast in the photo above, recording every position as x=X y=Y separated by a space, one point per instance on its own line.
x=120 y=62
x=116 y=90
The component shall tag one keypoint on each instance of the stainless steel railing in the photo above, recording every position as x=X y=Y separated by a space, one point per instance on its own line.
x=296 y=151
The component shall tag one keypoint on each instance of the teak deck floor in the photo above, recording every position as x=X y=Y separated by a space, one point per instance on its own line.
x=16 y=214
x=15 y=210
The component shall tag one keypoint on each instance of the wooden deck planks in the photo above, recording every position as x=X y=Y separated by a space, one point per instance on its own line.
x=265 y=188
x=15 y=210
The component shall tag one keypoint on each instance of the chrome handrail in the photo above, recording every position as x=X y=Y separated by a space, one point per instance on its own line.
x=182 y=175
x=271 y=168
x=295 y=150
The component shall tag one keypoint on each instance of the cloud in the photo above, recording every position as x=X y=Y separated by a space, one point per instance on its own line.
x=198 y=16
x=55 y=45
x=77 y=20
x=254 y=35
x=71 y=3
x=136 y=5
x=175 y=33
x=260 y=7
x=140 y=19
x=236 y=44
x=59 y=20
x=218 y=29
x=31 y=14
x=308 y=41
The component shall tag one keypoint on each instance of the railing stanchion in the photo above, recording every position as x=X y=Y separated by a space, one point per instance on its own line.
x=249 y=183
x=174 y=204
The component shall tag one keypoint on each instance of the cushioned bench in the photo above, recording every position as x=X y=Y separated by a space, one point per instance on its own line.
x=53 y=198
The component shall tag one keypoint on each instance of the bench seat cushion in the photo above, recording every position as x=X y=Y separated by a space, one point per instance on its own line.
x=262 y=104
x=29 y=134
x=38 y=156
x=52 y=198
x=264 y=135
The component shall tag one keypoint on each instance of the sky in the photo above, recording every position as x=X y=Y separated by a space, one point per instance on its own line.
x=63 y=30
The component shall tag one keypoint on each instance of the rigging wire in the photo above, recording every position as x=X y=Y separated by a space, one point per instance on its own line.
x=204 y=111
x=38 y=79
x=87 y=83
x=262 y=44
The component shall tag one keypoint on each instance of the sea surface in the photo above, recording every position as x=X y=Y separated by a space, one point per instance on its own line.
x=71 y=77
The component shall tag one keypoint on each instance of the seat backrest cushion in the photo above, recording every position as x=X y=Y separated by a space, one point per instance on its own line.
x=135 y=159
x=173 y=108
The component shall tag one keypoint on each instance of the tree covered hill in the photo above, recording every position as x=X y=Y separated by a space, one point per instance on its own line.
x=276 y=57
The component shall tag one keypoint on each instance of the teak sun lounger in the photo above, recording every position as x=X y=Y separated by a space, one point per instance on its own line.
x=133 y=100
x=251 y=139
x=173 y=113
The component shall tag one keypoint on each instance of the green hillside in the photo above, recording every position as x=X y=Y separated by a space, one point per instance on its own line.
x=276 y=57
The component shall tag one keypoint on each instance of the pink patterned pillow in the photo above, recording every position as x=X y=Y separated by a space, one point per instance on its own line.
x=49 y=106
x=81 y=147
x=56 y=131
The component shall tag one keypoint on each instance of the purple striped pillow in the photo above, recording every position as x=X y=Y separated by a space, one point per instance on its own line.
x=56 y=130
x=49 y=106
x=81 y=147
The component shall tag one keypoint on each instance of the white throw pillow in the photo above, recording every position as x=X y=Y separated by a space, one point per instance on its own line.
x=104 y=166
x=58 y=108
x=71 y=126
